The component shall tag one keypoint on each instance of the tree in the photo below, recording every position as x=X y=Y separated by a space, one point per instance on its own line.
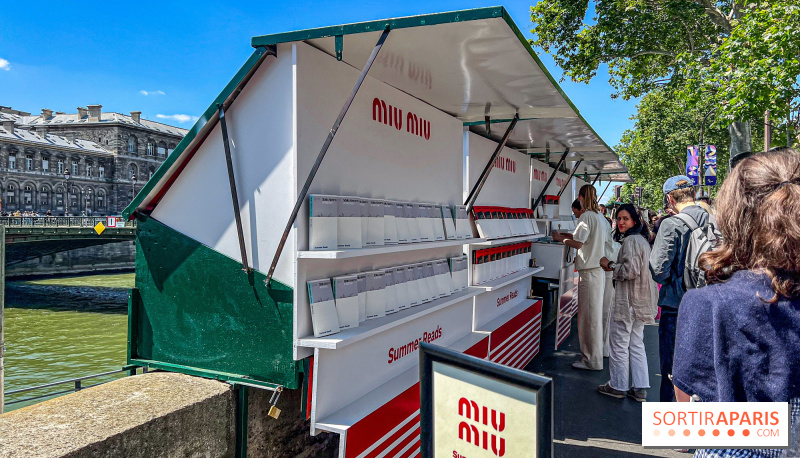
x=655 y=149
x=756 y=69
x=646 y=44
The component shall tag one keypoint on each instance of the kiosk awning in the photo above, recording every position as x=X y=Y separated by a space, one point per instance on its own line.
x=472 y=64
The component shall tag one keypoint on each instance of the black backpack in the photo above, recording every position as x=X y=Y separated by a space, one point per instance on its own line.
x=701 y=240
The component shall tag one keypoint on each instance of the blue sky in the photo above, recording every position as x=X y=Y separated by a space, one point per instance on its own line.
x=170 y=59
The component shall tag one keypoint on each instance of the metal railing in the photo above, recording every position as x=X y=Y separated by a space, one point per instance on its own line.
x=77 y=385
x=60 y=221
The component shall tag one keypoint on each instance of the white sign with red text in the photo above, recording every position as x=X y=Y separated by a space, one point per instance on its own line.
x=111 y=221
x=715 y=424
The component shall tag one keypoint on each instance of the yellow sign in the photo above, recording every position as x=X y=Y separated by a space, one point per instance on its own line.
x=99 y=228
x=480 y=417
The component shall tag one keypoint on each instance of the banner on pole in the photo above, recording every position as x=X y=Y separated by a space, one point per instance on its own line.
x=693 y=164
x=710 y=165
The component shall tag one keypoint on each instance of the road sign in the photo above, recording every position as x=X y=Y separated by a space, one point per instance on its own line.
x=471 y=407
x=99 y=228
x=111 y=221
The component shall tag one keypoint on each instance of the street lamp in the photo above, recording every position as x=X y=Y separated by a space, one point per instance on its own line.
x=66 y=193
x=133 y=181
x=88 y=201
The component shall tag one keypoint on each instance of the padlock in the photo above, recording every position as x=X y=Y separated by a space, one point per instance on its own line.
x=274 y=412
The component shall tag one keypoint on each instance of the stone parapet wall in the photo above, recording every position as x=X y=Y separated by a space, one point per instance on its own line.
x=110 y=257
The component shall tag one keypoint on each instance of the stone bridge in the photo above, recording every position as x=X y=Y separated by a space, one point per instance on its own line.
x=33 y=237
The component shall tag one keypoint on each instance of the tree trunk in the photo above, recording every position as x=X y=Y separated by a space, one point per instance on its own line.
x=741 y=141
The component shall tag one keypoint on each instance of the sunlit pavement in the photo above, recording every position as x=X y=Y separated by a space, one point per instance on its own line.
x=588 y=424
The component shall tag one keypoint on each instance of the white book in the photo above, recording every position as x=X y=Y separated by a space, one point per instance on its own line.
x=374 y=223
x=463 y=228
x=322 y=225
x=403 y=220
x=401 y=288
x=477 y=272
x=345 y=289
x=442 y=272
x=412 y=285
x=424 y=287
x=424 y=222
x=449 y=222
x=323 y=308
x=454 y=265
x=362 y=297
x=389 y=223
x=349 y=222
x=412 y=210
x=364 y=206
x=390 y=294
x=494 y=269
x=462 y=276
x=430 y=277
x=435 y=214
x=376 y=294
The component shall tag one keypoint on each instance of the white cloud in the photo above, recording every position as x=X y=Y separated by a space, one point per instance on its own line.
x=4 y=65
x=143 y=92
x=181 y=118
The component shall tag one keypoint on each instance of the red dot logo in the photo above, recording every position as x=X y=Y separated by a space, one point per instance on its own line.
x=731 y=432
x=702 y=432
x=686 y=432
x=746 y=432
x=715 y=432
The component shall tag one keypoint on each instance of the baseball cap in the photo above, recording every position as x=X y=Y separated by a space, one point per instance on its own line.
x=672 y=183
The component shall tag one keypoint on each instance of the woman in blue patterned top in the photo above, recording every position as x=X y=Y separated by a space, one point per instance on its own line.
x=738 y=339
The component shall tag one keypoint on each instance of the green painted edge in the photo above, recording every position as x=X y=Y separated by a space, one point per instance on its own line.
x=374 y=26
x=188 y=139
x=188 y=370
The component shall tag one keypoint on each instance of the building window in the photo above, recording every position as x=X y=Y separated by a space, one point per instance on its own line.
x=10 y=197
x=28 y=163
x=74 y=169
x=149 y=148
x=60 y=167
x=162 y=151
x=27 y=195
x=101 y=202
x=88 y=170
x=45 y=197
x=12 y=162
x=45 y=165
x=102 y=171
x=131 y=144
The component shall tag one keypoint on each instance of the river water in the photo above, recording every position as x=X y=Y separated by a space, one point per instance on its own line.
x=62 y=328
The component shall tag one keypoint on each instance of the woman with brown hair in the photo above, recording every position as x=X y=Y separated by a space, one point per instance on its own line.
x=592 y=239
x=738 y=339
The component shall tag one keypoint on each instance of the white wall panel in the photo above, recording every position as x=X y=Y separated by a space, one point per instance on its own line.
x=508 y=183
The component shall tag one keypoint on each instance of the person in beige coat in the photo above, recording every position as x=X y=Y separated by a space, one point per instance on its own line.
x=634 y=306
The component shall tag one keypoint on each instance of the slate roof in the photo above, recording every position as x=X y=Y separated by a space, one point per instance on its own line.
x=57 y=141
x=107 y=117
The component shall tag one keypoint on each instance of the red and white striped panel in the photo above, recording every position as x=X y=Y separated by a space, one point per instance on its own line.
x=516 y=342
x=391 y=431
x=563 y=327
x=571 y=308
x=480 y=349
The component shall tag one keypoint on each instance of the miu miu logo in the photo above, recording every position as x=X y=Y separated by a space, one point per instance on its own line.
x=470 y=433
x=393 y=116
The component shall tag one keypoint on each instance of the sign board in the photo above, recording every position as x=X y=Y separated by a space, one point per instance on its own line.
x=111 y=221
x=693 y=164
x=710 y=165
x=474 y=408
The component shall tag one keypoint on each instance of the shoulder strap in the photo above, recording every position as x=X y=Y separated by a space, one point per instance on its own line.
x=687 y=220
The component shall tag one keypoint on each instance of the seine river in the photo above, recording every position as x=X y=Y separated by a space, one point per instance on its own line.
x=62 y=328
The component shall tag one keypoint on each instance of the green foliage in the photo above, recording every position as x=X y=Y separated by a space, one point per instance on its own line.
x=639 y=40
x=755 y=69
x=655 y=149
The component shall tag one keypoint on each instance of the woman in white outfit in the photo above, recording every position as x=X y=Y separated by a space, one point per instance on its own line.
x=634 y=306
x=592 y=238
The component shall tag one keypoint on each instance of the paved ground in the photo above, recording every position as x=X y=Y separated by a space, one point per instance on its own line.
x=588 y=424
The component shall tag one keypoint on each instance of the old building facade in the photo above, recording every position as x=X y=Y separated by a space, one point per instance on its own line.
x=74 y=163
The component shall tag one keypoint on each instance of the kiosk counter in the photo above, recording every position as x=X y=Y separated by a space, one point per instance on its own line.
x=261 y=264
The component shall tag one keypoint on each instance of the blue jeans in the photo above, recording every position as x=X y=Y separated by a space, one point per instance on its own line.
x=666 y=351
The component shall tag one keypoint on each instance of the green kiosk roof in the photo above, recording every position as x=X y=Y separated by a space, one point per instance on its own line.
x=471 y=64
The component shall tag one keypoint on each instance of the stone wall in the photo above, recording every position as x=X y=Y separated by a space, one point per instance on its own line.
x=158 y=415
x=113 y=256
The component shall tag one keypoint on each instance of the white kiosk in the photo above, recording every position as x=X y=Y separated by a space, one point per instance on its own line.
x=222 y=286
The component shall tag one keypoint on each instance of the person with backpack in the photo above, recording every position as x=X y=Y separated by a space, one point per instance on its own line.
x=668 y=265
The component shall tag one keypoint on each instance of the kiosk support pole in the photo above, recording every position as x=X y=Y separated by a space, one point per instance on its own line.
x=234 y=194
x=571 y=174
x=596 y=178
x=304 y=192
x=485 y=174
x=550 y=180
x=604 y=190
